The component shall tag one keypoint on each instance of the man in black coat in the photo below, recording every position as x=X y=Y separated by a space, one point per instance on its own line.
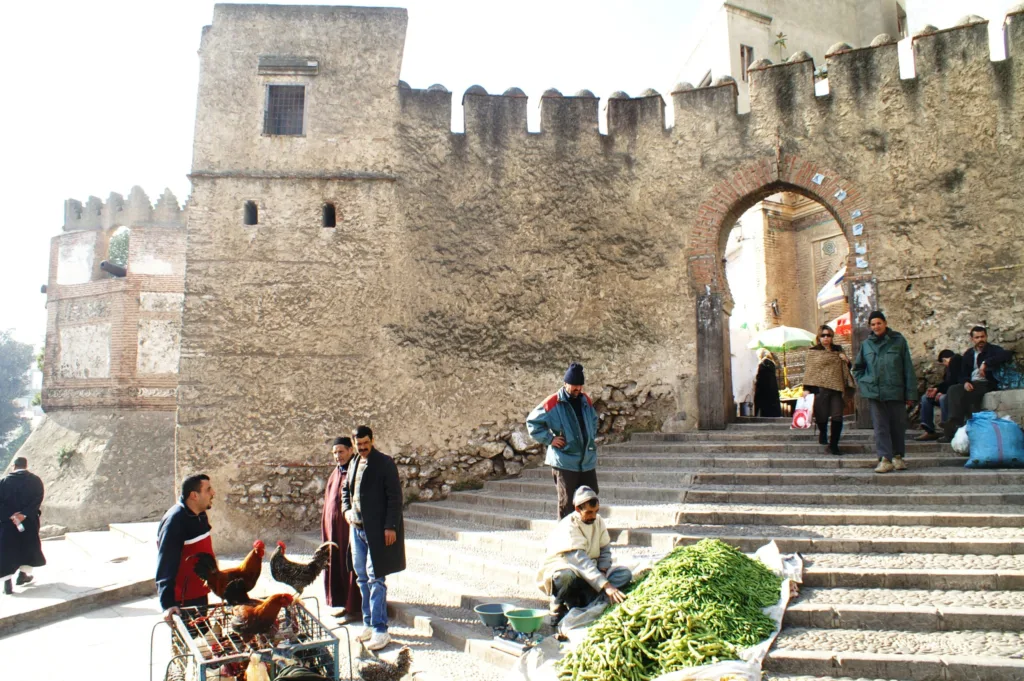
x=977 y=377
x=21 y=495
x=372 y=502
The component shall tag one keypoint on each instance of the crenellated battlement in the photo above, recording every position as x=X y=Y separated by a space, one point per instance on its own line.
x=859 y=77
x=136 y=211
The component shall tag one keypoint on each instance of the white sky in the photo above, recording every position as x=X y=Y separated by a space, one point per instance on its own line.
x=100 y=95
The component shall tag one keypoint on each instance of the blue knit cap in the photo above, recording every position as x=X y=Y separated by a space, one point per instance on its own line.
x=574 y=374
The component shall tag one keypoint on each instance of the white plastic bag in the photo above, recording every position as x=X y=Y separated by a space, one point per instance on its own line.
x=802 y=418
x=733 y=670
x=961 y=444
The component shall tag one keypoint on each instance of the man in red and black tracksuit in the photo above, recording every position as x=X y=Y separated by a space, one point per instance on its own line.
x=184 y=532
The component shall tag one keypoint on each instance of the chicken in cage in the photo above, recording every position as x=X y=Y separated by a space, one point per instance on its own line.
x=222 y=642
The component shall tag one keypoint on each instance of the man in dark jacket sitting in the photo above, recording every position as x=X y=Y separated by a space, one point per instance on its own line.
x=977 y=377
x=937 y=396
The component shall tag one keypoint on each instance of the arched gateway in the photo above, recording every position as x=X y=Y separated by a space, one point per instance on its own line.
x=718 y=212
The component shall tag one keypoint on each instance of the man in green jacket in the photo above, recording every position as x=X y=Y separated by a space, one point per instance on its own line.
x=885 y=377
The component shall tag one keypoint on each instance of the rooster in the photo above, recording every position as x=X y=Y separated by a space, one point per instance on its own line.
x=298 y=575
x=253 y=620
x=386 y=671
x=248 y=571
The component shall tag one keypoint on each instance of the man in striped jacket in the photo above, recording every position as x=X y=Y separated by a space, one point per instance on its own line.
x=184 y=532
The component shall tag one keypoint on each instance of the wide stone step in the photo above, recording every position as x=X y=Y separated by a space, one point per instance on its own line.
x=933 y=656
x=788 y=543
x=501 y=493
x=993 y=600
x=790 y=539
x=743 y=435
x=921 y=618
x=528 y=513
x=691 y=461
x=518 y=572
x=693 y=476
x=767 y=445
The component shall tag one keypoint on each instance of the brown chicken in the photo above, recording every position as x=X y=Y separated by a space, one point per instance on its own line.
x=299 y=575
x=218 y=579
x=254 y=620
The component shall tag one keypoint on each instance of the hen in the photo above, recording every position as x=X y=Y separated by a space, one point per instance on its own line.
x=299 y=575
x=254 y=620
x=382 y=670
x=218 y=579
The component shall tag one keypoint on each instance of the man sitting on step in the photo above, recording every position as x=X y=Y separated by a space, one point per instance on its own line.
x=578 y=566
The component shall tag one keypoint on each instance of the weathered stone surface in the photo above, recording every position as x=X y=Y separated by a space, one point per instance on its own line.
x=472 y=309
x=121 y=466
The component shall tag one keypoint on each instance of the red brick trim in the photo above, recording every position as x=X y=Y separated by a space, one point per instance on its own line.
x=731 y=197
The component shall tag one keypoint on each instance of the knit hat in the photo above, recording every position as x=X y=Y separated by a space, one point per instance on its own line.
x=876 y=314
x=583 y=495
x=574 y=374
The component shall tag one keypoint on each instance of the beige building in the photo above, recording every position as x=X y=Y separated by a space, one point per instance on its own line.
x=730 y=36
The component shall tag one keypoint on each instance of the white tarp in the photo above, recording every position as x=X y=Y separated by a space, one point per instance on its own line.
x=832 y=291
x=538 y=664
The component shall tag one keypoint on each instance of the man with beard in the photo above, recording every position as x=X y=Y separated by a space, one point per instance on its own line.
x=578 y=567
x=184 y=532
x=340 y=585
x=977 y=378
x=21 y=495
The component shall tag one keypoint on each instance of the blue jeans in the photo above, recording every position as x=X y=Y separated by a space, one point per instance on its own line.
x=928 y=411
x=372 y=588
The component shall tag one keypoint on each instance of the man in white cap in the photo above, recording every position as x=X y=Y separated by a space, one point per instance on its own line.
x=578 y=566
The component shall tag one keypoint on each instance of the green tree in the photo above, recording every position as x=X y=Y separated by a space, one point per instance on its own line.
x=15 y=361
x=117 y=251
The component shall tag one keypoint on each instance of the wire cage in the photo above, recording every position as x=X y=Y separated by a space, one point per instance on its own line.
x=205 y=648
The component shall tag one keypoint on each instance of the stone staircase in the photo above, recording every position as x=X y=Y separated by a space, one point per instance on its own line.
x=910 y=576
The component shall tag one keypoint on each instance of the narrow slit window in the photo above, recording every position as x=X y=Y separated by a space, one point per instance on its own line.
x=329 y=215
x=284 y=112
x=251 y=214
x=746 y=59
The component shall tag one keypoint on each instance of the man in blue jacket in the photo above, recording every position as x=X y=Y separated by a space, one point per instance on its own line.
x=977 y=377
x=567 y=423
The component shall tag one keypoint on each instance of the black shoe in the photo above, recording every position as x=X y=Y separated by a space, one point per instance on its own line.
x=823 y=433
x=8 y=589
x=23 y=578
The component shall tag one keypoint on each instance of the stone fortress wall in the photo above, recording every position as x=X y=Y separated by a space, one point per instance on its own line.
x=466 y=270
x=112 y=341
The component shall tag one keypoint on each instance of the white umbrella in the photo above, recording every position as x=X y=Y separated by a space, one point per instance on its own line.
x=780 y=339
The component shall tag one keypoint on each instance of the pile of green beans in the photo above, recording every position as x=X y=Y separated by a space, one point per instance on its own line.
x=698 y=605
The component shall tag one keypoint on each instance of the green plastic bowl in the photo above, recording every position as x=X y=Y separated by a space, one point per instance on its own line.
x=493 y=614
x=527 y=620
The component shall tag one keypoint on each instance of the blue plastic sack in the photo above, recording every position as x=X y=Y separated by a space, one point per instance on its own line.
x=1010 y=376
x=995 y=442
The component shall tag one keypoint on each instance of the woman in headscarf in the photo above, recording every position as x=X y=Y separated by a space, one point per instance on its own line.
x=827 y=376
x=766 y=386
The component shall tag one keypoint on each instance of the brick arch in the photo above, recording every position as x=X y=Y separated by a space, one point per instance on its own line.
x=719 y=211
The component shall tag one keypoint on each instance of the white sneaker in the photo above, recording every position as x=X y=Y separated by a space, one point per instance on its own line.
x=364 y=634
x=884 y=466
x=898 y=464
x=378 y=640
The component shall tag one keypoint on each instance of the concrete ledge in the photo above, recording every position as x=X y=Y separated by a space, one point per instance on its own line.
x=100 y=598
